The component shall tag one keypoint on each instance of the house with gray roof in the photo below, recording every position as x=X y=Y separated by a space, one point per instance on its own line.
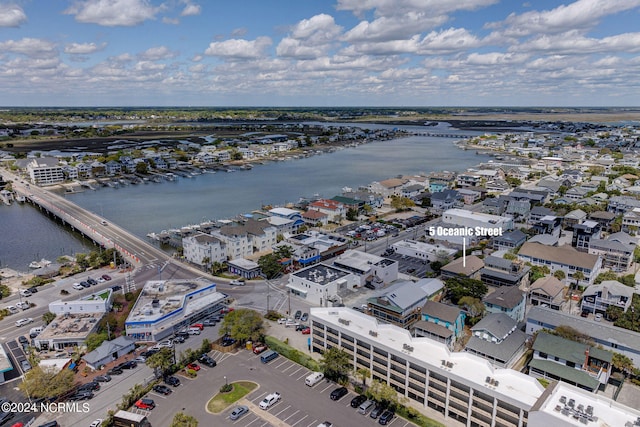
x=509 y=240
x=563 y=258
x=547 y=291
x=469 y=267
x=503 y=272
x=619 y=340
x=616 y=250
x=441 y=322
x=109 y=351
x=576 y=216
x=400 y=306
x=497 y=338
x=560 y=359
x=598 y=298
x=509 y=300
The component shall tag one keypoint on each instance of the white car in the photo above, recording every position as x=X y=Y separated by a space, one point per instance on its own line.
x=25 y=293
x=96 y=423
x=23 y=322
x=13 y=309
x=22 y=305
x=270 y=400
x=239 y=282
x=77 y=286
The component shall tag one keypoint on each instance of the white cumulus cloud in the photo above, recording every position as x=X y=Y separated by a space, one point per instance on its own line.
x=191 y=10
x=157 y=53
x=31 y=47
x=239 y=48
x=83 y=48
x=112 y=13
x=11 y=15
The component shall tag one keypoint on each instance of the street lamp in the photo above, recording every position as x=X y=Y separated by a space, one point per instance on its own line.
x=225 y=381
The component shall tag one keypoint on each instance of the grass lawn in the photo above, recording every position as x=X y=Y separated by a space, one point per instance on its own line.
x=221 y=401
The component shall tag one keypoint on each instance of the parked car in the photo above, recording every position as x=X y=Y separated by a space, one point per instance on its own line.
x=33 y=289
x=209 y=322
x=306 y=331
x=140 y=359
x=145 y=404
x=172 y=381
x=239 y=282
x=23 y=305
x=207 y=360
x=23 y=340
x=269 y=400
x=193 y=366
x=358 y=400
x=114 y=371
x=103 y=378
x=106 y=277
x=25 y=293
x=227 y=310
x=300 y=327
x=129 y=364
x=228 y=341
x=162 y=389
x=116 y=288
x=237 y=412
x=597 y=317
x=338 y=393
x=179 y=339
x=91 y=281
x=379 y=409
x=25 y=365
x=85 y=284
x=96 y=423
x=82 y=395
x=92 y=386
x=259 y=348
x=197 y=325
x=298 y=315
x=77 y=286
x=385 y=418
x=304 y=317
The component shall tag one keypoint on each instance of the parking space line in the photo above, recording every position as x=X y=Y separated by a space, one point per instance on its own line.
x=282 y=410
x=293 y=365
x=327 y=387
x=299 y=421
x=291 y=415
x=284 y=362
x=297 y=370
x=257 y=418
x=304 y=374
x=312 y=423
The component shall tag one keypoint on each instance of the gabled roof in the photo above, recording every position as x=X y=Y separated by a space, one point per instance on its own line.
x=576 y=214
x=568 y=350
x=473 y=264
x=609 y=289
x=549 y=285
x=448 y=313
x=404 y=296
x=506 y=296
x=107 y=348
x=498 y=325
x=562 y=255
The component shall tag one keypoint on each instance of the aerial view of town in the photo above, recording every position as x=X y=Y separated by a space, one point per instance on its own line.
x=416 y=213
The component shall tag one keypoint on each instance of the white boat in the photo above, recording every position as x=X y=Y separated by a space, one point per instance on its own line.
x=39 y=264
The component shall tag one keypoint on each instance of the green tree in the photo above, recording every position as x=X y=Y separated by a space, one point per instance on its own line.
x=335 y=364
x=352 y=214
x=605 y=275
x=472 y=305
x=363 y=374
x=578 y=275
x=538 y=272
x=244 y=325
x=613 y=313
x=161 y=361
x=184 y=420
x=270 y=265
x=142 y=167
x=384 y=393
x=559 y=274
x=458 y=287
x=94 y=340
x=622 y=363
x=47 y=382
x=48 y=317
x=401 y=203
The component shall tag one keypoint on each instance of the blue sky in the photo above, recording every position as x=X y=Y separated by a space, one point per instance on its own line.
x=319 y=53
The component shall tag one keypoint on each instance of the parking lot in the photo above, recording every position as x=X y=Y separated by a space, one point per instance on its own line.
x=409 y=265
x=300 y=405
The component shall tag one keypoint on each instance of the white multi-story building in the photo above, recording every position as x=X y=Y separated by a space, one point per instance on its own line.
x=367 y=266
x=463 y=218
x=320 y=284
x=45 y=171
x=242 y=239
x=200 y=247
x=423 y=251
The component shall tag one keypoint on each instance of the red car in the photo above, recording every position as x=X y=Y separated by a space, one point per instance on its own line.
x=197 y=325
x=306 y=331
x=227 y=310
x=145 y=404
x=193 y=366
x=259 y=348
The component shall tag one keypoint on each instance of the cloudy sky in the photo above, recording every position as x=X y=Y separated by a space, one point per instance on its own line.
x=319 y=53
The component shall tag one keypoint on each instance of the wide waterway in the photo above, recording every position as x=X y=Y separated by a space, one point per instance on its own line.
x=146 y=208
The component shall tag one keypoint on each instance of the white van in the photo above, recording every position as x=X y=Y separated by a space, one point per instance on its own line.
x=314 y=378
x=33 y=332
x=193 y=331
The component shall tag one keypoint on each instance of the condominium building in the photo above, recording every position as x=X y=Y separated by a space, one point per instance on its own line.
x=45 y=171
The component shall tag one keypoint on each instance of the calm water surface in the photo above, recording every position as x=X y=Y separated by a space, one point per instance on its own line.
x=26 y=234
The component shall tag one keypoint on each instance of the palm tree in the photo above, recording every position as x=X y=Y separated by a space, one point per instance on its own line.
x=578 y=276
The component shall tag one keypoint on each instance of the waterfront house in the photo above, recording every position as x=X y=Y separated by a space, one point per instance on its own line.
x=314 y=218
x=98 y=168
x=509 y=300
x=388 y=187
x=336 y=211
x=45 y=171
x=113 y=168
x=445 y=199
x=563 y=258
x=441 y=322
x=202 y=247
x=440 y=181
x=579 y=364
x=84 y=170
x=242 y=239
x=548 y=292
x=70 y=172
x=496 y=337
x=291 y=214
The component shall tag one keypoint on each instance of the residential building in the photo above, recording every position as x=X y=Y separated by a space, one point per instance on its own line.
x=388 y=187
x=440 y=181
x=598 y=298
x=583 y=233
x=204 y=249
x=605 y=219
x=400 y=306
x=551 y=225
x=616 y=251
x=469 y=196
x=563 y=258
x=328 y=245
x=291 y=214
x=336 y=211
x=321 y=284
x=165 y=307
x=547 y=292
x=613 y=338
x=579 y=364
x=45 y=171
x=497 y=338
x=314 y=218
x=444 y=200
x=621 y=204
x=441 y=322
x=469 y=267
x=509 y=240
x=508 y=300
x=503 y=272
x=461 y=386
x=573 y=218
x=631 y=221
x=538 y=212
x=241 y=240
